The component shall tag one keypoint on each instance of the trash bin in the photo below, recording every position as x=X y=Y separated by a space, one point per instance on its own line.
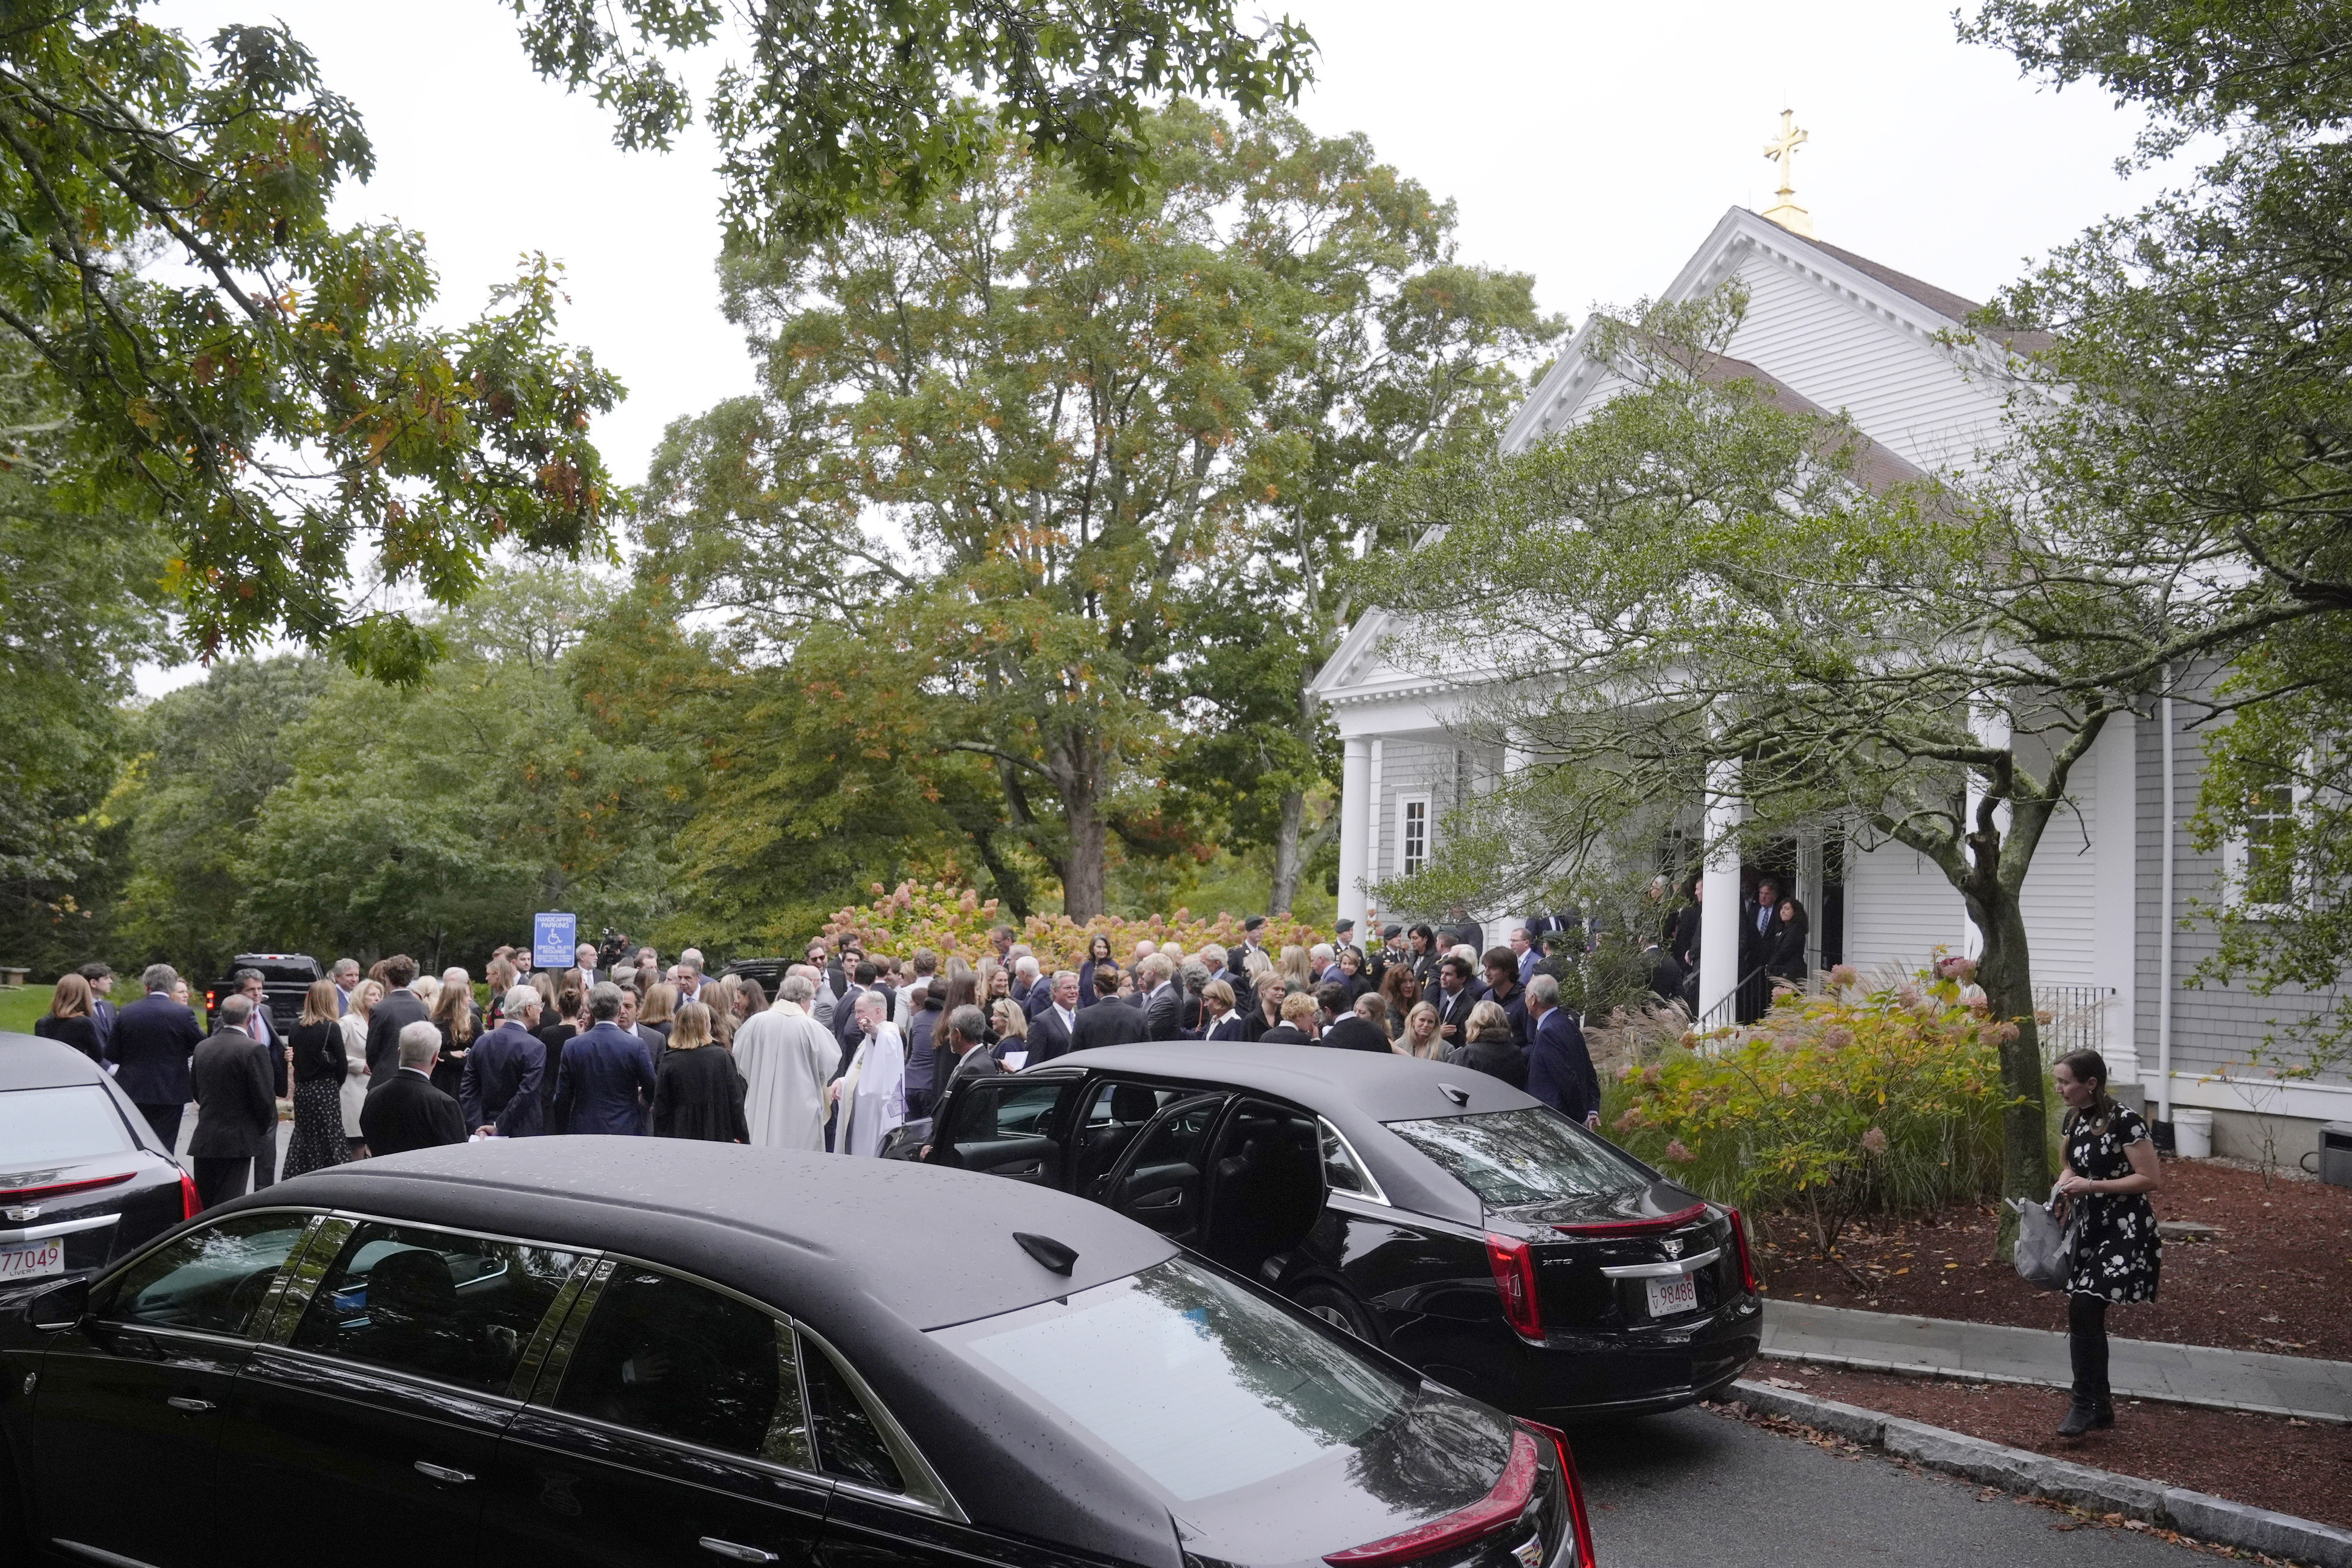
x=2192 y=1133
x=2336 y=1153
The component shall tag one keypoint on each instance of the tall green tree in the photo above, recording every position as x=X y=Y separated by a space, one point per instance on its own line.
x=239 y=370
x=2204 y=345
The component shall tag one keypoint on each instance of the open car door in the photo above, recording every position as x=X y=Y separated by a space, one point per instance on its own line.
x=1265 y=1185
x=1005 y=1127
x=1158 y=1182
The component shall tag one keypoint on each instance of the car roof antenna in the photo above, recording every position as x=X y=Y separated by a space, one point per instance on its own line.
x=1455 y=1092
x=1054 y=1256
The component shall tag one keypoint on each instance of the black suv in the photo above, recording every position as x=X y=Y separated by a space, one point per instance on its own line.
x=285 y=978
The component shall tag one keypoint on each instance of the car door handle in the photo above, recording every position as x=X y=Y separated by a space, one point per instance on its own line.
x=189 y=1402
x=738 y=1553
x=442 y=1473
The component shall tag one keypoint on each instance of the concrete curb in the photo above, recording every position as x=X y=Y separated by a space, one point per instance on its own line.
x=2022 y=1471
x=1971 y=1374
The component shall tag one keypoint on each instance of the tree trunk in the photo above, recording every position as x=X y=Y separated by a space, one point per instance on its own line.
x=1289 y=858
x=2006 y=975
x=1084 y=870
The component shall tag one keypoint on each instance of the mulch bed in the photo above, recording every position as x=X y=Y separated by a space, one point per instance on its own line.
x=2268 y=1461
x=2278 y=1278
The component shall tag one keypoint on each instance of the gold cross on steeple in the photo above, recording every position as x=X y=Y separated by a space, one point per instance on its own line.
x=1782 y=149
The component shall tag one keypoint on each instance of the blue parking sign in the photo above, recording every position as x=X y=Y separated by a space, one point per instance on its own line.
x=554 y=940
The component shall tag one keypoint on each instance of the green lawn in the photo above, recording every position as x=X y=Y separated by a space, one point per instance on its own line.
x=19 y=1008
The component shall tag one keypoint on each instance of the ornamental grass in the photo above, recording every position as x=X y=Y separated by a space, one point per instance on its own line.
x=1849 y=1102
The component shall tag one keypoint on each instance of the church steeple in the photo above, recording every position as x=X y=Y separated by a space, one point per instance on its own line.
x=1782 y=149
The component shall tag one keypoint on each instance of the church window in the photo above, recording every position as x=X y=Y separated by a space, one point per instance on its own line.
x=1412 y=834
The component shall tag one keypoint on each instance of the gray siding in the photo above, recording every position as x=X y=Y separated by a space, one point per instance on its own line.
x=2216 y=1028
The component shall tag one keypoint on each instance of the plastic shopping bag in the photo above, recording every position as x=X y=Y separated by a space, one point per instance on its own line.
x=2045 y=1244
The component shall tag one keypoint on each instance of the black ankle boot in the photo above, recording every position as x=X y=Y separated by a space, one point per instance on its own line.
x=2081 y=1415
x=2104 y=1415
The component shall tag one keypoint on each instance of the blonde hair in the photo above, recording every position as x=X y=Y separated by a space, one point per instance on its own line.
x=1011 y=1023
x=691 y=1031
x=365 y=995
x=1487 y=1014
x=1298 y=1007
x=1295 y=967
x=318 y=1003
x=1434 y=1046
x=661 y=1004
x=452 y=1009
x=428 y=989
x=1220 y=993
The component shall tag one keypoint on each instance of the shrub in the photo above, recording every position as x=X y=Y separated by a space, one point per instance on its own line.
x=1833 y=1106
x=952 y=919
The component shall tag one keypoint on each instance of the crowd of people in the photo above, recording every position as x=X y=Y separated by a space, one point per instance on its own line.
x=852 y=1046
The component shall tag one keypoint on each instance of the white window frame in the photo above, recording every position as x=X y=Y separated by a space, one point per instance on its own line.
x=1407 y=863
x=2237 y=853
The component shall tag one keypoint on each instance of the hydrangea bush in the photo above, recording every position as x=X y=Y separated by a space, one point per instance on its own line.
x=1852 y=1101
x=948 y=919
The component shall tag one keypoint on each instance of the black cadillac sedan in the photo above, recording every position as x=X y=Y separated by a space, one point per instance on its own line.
x=83 y=1178
x=645 y=1352
x=1462 y=1225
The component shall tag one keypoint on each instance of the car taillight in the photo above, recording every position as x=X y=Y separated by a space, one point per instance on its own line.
x=1747 y=1280
x=1573 y=1487
x=1514 y=1263
x=191 y=1205
x=1498 y=1509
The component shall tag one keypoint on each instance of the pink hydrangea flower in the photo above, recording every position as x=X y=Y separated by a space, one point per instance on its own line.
x=1678 y=1153
x=1874 y=1141
x=1844 y=975
x=1837 y=1037
x=1651 y=1073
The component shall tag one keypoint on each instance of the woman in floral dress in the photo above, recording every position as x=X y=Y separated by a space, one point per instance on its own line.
x=2111 y=1169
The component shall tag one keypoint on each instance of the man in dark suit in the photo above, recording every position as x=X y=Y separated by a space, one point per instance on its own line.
x=1052 y=1030
x=262 y=1025
x=102 y=1012
x=153 y=1040
x=1357 y=1030
x=500 y=1092
x=844 y=1011
x=237 y=1108
x=1453 y=998
x=399 y=1008
x=606 y=1082
x=1109 y=1026
x=1560 y=1067
x=403 y=1110
x=1161 y=999
x=1759 y=933
x=1467 y=932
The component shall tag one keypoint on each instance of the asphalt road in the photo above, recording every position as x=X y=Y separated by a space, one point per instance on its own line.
x=1695 y=1489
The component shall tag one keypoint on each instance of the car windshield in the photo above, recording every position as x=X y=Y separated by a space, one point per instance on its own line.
x=1192 y=1379
x=59 y=1127
x=1514 y=1157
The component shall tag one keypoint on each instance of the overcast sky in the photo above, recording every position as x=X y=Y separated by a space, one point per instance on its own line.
x=1594 y=145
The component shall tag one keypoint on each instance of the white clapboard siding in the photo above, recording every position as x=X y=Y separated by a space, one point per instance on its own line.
x=1908 y=393
x=1898 y=910
x=2062 y=888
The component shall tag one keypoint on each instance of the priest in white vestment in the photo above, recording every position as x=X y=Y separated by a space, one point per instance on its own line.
x=873 y=1092
x=786 y=1058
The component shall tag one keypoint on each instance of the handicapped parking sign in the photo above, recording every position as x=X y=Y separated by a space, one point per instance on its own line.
x=554 y=940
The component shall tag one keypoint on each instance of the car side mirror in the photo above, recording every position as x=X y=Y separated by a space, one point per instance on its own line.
x=59 y=1307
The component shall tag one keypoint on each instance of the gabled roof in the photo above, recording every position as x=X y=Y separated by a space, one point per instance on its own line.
x=1875 y=467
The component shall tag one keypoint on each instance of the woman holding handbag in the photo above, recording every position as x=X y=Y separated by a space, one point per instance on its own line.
x=2111 y=1169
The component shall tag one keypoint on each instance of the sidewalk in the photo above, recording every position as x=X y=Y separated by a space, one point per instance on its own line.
x=1991 y=1352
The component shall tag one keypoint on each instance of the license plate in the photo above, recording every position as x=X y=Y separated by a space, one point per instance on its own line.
x=32 y=1262
x=1667 y=1296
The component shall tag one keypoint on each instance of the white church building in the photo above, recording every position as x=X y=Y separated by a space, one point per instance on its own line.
x=1898 y=357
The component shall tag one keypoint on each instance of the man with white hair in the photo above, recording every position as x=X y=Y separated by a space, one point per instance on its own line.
x=403 y=1110
x=786 y=1058
x=1322 y=960
x=583 y=959
x=1161 y=1003
x=873 y=1093
x=1030 y=988
x=499 y=1093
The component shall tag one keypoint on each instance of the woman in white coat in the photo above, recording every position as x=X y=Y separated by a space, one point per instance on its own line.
x=364 y=998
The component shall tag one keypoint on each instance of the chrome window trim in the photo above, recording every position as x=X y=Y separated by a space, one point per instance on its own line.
x=934 y=1499
x=1378 y=1194
x=661 y=1439
x=1690 y=1264
x=17 y=1238
x=567 y=1335
x=400 y=1374
x=266 y=1324
x=542 y=1338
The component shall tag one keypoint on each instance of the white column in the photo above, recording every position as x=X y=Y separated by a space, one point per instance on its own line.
x=1355 y=822
x=1718 y=921
x=1809 y=882
x=1374 y=867
x=2115 y=850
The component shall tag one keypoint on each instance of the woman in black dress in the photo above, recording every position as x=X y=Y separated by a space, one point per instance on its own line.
x=319 y=1066
x=1098 y=952
x=697 y=1091
x=71 y=1020
x=2111 y=1169
x=459 y=1019
x=1787 y=958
